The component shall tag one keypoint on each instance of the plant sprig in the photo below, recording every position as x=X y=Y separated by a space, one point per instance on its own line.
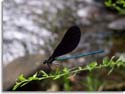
x=107 y=63
x=118 y=5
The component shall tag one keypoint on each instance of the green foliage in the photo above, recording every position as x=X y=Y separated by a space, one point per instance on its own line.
x=66 y=73
x=91 y=66
x=66 y=81
x=118 y=5
x=92 y=83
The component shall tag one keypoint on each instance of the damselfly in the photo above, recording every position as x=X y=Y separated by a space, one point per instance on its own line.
x=69 y=43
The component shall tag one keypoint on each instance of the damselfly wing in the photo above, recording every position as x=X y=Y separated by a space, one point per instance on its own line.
x=69 y=43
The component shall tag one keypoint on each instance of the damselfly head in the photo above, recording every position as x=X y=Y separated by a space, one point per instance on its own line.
x=45 y=61
x=49 y=61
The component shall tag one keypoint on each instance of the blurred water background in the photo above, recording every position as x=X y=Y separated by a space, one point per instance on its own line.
x=32 y=27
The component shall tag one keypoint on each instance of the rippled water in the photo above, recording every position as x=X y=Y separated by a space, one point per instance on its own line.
x=33 y=26
x=21 y=35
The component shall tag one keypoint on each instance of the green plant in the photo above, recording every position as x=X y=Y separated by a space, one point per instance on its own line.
x=92 y=83
x=118 y=5
x=66 y=72
x=67 y=86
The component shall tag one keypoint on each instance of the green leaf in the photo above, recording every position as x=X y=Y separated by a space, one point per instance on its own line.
x=111 y=60
x=31 y=78
x=16 y=86
x=91 y=66
x=105 y=61
x=65 y=69
x=35 y=75
x=121 y=58
x=56 y=77
x=80 y=68
x=110 y=70
x=44 y=73
x=23 y=84
x=118 y=5
x=21 y=77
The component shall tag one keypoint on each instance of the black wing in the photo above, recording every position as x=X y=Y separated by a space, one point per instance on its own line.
x=69 y=42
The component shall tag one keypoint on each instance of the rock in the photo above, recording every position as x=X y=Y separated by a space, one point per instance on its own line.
x=117 y=24
x=26 y=65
